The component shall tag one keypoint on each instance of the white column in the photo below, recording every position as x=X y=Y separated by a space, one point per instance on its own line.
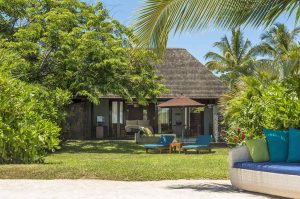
x=215 y=123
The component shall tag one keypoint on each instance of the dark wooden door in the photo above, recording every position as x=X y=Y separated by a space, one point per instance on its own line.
x=196 y=124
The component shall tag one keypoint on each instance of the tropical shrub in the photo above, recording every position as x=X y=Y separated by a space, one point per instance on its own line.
x=255 y=105
x=29 y=120
x=234 y=137
x=30 y=114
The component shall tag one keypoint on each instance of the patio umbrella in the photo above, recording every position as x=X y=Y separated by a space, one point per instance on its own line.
x=180 y=102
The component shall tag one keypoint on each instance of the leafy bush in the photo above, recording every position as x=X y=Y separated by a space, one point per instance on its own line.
x=256 y=105
x=234 y=137
x=30 y=114
x=29 y=120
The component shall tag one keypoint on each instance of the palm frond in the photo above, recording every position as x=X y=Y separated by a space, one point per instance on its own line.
x=223 y=45
x=245 y=52
x=157 y=18
x=214 y=56
x=235 y=58
x=236 y=41
x=263 y=49
x=216 y=66
x=266 y=70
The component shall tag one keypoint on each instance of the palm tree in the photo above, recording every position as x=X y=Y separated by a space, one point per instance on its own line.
x=157 y=18
x=236 y=58
x=280 y=50
x=294 y=55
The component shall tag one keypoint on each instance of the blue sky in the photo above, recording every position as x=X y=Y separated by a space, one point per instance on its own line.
x=198 y=43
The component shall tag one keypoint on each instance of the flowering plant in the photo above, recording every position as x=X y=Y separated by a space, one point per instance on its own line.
x=234 y=137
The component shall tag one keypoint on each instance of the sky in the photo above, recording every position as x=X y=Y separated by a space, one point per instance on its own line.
x=197 y=43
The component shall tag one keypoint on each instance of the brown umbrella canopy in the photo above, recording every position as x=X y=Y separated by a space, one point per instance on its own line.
x=180 y=101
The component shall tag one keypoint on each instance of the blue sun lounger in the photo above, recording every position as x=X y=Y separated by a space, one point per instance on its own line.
x=163 y=143
x=202 y=142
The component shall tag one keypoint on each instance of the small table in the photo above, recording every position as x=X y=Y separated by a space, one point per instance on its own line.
x=175 y=146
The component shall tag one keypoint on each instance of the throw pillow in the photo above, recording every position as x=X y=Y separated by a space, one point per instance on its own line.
x=277 y=144
x=148 y=132
x=258 y=150
x=294 y=142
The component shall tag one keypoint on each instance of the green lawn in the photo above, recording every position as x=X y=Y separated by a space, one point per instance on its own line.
x=120 y=160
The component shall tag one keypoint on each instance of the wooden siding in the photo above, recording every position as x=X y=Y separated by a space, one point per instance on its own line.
x=78 y=124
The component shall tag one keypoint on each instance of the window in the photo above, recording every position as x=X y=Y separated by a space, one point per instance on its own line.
x=114 y=112
x=163 y=115
x=115 y=115
x=145 y=113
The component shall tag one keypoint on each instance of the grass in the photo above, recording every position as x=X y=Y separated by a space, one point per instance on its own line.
x=120 y=160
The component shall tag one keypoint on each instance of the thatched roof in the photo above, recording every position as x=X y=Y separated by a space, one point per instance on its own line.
x=184 y=74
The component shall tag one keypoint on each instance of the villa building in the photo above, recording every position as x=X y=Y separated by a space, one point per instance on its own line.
x=115 y=118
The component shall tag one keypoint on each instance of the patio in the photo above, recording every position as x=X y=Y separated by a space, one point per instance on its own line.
x=77 y=189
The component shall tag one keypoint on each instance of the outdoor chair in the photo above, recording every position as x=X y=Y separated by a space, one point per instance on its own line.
x=202 y=143
x=163 y=143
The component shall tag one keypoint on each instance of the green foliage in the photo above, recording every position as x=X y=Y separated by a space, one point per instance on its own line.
x=197 y=110
x=255 y=105
x=280 y=51
x=267 y=92
x=281 y=56
x=51 y=51
x=157 y=18
x=234 y=137
x=76 y=47
x=236 y=58
x=29 y=116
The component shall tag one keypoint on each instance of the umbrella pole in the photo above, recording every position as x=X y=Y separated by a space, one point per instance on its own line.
x=182 y=124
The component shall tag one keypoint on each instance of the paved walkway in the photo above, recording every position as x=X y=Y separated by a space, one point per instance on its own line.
x=74 y=189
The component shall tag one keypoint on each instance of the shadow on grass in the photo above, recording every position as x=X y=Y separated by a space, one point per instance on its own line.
x=103 y=146
x=200 y=153
x=218 y=188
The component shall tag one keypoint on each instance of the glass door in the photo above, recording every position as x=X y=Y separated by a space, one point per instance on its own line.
x=163 y=120
x=117 y=118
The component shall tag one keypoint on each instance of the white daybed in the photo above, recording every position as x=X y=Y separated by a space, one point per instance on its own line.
x=272 y=183
x=135 y=125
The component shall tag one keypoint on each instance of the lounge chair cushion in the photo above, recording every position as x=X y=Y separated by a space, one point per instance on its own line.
x=277 y=144
x=203 y=140
x=166 y=140
x=281 y=168
x=294 y=140
x=154 y=145
x=258 y=150
x=194 y=146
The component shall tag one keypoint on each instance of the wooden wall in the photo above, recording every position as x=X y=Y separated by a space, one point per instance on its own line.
x=78 y=122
